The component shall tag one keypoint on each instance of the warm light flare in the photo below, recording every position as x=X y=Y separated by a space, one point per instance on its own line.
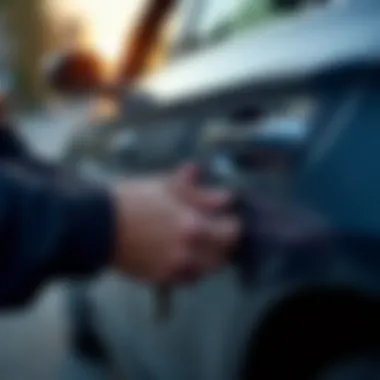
x=107 y=23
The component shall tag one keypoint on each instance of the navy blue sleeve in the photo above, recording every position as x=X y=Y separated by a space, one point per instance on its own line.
x=49 y=230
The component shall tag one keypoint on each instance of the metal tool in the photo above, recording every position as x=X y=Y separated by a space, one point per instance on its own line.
x=163 y=303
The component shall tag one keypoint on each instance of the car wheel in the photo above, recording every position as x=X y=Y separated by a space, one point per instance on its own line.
x=309 y=332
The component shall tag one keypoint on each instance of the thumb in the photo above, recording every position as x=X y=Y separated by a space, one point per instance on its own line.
x=187 y=176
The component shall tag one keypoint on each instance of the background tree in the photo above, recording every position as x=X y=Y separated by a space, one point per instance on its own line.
x=29 y=26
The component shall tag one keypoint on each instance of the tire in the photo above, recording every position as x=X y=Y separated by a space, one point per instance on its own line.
x=311 y=332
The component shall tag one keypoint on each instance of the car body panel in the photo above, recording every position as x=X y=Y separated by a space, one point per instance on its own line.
x=297 y=48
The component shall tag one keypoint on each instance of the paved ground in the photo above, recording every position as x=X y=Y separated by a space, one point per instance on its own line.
x=34 y=341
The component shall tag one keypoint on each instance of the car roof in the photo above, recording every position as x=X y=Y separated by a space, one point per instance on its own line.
x=293 y=48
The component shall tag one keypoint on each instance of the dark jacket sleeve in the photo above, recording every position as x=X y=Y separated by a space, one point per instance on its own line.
x=49 y=230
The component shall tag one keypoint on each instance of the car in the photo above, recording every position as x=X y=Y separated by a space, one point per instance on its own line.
x=305 y=90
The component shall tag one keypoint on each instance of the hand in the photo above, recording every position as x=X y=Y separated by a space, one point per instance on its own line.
x=168 y=231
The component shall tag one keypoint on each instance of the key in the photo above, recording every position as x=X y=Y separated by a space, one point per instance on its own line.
x=163 y=304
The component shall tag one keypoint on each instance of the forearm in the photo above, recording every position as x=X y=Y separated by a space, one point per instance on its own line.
x=47 y=230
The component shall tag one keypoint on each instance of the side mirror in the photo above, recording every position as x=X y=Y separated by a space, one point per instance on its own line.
x=75 y=73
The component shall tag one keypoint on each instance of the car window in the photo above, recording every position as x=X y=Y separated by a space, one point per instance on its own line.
x=206 y=22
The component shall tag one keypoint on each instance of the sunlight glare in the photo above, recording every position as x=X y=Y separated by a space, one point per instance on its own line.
x=107 y=22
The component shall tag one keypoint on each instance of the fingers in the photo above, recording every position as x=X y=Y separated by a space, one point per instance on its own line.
x=210 y=201
x=206 y=230
x=222 y=232
x=186 y=176
x=210 y=240
x=186 y=185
